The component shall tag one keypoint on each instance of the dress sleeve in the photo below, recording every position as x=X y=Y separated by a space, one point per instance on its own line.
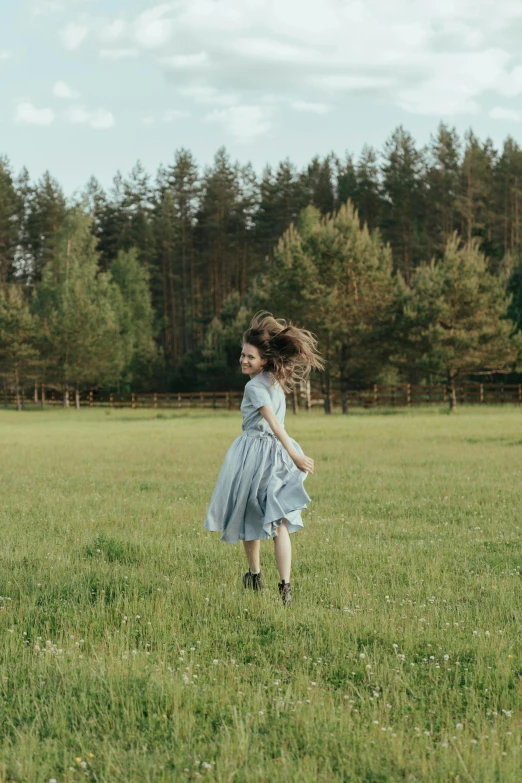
x=258 y=395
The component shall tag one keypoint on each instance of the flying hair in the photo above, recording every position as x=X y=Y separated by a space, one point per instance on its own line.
x=290 y=353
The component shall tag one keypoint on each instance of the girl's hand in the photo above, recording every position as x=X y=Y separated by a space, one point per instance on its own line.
x=306 y=464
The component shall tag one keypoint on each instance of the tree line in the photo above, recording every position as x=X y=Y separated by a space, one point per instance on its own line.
x=406 y=262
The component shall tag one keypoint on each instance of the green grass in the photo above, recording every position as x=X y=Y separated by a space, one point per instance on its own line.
x=130 y=652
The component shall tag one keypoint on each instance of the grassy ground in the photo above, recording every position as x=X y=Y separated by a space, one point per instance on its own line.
x=130 y=652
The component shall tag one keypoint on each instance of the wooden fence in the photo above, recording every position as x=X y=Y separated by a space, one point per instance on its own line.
x=399 y=395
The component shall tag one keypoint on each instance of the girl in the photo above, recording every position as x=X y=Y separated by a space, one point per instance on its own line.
x=259 y=493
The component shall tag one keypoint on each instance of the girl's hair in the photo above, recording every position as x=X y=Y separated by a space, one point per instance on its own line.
x=290 y=352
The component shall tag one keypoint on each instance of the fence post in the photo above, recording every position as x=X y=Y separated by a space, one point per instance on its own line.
x=482 y=393
x=53 y=400
x=408 y=394
x=520 y=393
x=501 y=393
x=133 y=401
x=155 y=400
x=111 y=401
x=91 y=400
x=179 y=401
x=375 y=395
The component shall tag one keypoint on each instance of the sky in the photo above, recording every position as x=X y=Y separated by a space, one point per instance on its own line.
x=88 y=87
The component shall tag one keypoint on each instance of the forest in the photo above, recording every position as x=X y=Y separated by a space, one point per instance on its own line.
x=405 y=262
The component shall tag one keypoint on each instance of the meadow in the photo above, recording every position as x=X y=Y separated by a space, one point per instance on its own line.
x=129 y=650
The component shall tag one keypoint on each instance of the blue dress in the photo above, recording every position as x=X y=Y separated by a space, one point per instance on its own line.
x=258 y=485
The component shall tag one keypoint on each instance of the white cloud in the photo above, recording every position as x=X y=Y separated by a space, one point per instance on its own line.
x=73 y=35
x=207 y=94
x=99 y=119
x=27 y=114
x=118 y=54
x=148 y=120
x=244 y=123
x=510 y=84
x=113 y=31
x=4 y=55
x=63 y=90
x=314 y=108
x=505 y=114
x=186 y=61
x=452 y=83
x=439 y=59
x=152 y=29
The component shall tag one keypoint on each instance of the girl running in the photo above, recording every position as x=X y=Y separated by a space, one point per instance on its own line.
x=259 y=492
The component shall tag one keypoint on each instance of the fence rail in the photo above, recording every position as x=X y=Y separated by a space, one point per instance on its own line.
x=379 y=395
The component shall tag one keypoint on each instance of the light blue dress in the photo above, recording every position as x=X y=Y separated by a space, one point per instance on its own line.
x=258 y=485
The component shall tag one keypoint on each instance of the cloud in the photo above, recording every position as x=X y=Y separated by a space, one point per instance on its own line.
x=63 y=90
x=243 y=123
x=207 y=94
x=505 y=114
x=151 y=29
x=73 y=35
x=442 y=59
x=314 y=108
x=455 y=84
x=186 y=61
x=118 y=54
x=100 y=119
x=113 y=31
x=4 y=55
x=27 y=114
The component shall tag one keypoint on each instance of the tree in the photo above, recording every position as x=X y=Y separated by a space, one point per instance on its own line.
x=79 y=337
x=17 y=339
x=455 y=320
x=335 y=278
x=403 y=209
x=442 y=180
x=134 y=309
x=9 y=223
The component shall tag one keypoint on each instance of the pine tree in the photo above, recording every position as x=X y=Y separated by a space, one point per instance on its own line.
x=79 y=329
x=17 y=339
x=134 y=309
x=9 y=223
x=474 y=202
x=368 y=198
x=403 y=211
x=442 y=180
x=455 y=318
x=45 y=213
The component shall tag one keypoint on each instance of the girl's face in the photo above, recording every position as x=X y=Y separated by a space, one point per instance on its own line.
x=250 y=360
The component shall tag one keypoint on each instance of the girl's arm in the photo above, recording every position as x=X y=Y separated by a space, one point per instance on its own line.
x=306 y=464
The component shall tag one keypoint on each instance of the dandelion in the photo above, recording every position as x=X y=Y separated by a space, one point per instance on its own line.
x=459 y=726
x=446 y=657
x=52 y=780
x=83 y=764
x=368 y=666
x=215 y=661
x=261 y=712
x=205 y=765
x=78 y=759
x=362 y=655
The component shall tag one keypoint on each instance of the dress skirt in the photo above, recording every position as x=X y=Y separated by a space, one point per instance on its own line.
x=258 y=486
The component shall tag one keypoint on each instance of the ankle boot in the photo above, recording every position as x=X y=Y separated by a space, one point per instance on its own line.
x=285 y=591
x=253 y=581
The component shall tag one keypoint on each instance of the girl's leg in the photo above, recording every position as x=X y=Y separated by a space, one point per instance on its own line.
x=283 y=552
x=252 y=553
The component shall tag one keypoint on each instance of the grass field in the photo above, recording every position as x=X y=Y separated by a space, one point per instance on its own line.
x=130 y=652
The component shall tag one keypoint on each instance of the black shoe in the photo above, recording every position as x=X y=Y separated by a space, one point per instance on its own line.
x=253 y=581
x=285 y=591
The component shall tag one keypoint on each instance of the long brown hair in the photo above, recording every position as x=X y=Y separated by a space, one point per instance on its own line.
x=290 y=353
